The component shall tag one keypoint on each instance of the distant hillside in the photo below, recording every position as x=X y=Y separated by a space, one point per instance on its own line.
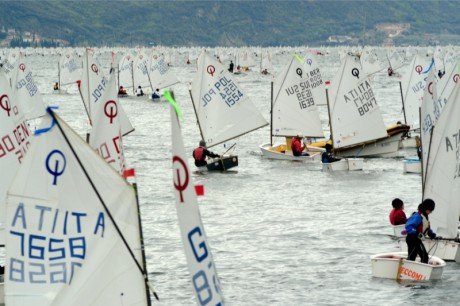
x=231 y=23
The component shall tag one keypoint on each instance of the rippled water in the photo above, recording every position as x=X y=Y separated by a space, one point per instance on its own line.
x=280 y=233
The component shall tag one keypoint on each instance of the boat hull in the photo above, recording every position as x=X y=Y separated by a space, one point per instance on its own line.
x=222 y=164
x=346 y=164
x=412 y=165
x=275 y=152
x=384 y=147
x=444 y=249
x=395 y=266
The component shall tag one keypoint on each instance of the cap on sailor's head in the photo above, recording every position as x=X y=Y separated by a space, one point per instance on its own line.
x=202 y=143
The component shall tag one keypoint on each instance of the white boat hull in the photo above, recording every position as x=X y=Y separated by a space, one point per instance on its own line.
x=444 y=249
x=385 y=147
x=412 y=165
x=346 y=164
x=269 y=151
x=409 y=143
x=395 y=266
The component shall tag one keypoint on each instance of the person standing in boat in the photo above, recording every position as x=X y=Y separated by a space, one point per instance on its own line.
x=230 y=68
x=397 y=215
x=327 y=157
x=156 y=94
x=200 y=154
x=139 y=91
x=417 y=226
x=297 y=147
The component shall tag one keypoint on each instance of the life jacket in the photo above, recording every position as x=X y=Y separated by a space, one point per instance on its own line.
x=296 y=146
x=198 y=154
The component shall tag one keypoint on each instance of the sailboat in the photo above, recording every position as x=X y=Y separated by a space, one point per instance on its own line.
x=160 y=75
x=223 y=112
x=441 y=176
x=69 y=70
x=73 y=232
x=293 y=111
x=356 y=123
x=205 y=282
x=125 y=72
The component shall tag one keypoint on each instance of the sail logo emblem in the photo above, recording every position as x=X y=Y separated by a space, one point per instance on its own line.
x=55 y=164
x=355 y=72
x=94 y=69
x=430 y=88
x=110 y=110
x=22 y=67
x=5 y=104
x=180 y=186
x=299 y=72
x=418 y=69
x=456 y=77
x=211 y=70
x=309 y=61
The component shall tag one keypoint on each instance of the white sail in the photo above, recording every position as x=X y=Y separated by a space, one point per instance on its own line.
x=319 y=90
x=370 y=61
x=26 y=92
x=106 y=136
x=141 y=71
x=294 y=105
x=413 y=84
x=266 y=62
x=223 y=111
x=70 y=68
x=125 y=71
x=354 y=113
x=160 y=75
x=62 y=245
x=445 y=86
x=428 y=116
x=14 y=144
x=205 y=282
x=395 y=59
x=443 y=170
x=92 y=88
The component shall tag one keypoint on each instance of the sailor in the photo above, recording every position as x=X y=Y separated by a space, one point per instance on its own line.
x=156 y=94
x=297 y=147
x=122 y=91
x=200 y=154
x=397 y=215
x=417 y=226
x=327 y=157
x=390 y=71
x=56 y=86
x=230 y=68
x=139 y=91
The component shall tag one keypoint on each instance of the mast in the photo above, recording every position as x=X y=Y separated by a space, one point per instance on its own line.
x=402 y=100
x=87 y=84
x=59 y=76
x=427 y=159
x=329 y=115
x=196 y=115
x=271 y=115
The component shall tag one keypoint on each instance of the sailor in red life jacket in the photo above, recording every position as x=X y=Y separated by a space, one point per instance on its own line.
x=417 y=226
x=397 y=215
x=200 y=154
x=297 y=147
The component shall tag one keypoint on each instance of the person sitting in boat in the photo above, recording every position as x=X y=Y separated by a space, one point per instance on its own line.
x=56 y=86
x=297 y=147
x=156 y=94
x=390 y=71
x=397 y=215
x=417 y=226
x=231 y=66
x=139 y=91
x=264 y=71
x=122 y=91
x=188 y=62
x=200 y=154
x=327 y=157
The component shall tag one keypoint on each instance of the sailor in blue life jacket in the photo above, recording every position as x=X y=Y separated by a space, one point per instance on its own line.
x=200 y=154
x=417 y=226
x=156 y=94
x=327 y=157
